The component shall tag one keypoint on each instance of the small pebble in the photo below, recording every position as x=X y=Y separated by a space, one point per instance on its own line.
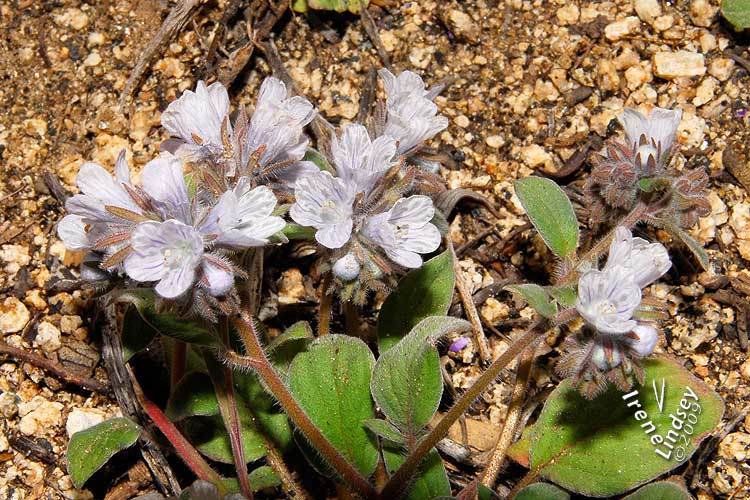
x=670 y=65
x=13 y=315
x=47 y=337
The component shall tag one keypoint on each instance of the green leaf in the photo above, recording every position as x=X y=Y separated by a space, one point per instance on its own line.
x=385 y=430
x=167 y=324
x=695 y=247
x=298 y=331
x=331 y=382
x=268 y=416
x=426 y=291
x=551 y=213
x=136 y=334
x=319 y=160
x=564 y=295
x=406 y=383
x=537 y=297
x=520 y=451
x=484 y=493
x=261 y=478
x=604 y=447
x=352 y=6
x=91 y=448
x=737 y=12
x=193 y=396
x=210 y=437
x=542 y=491
x=661 y=490
x=294 y=231
x=430 y=482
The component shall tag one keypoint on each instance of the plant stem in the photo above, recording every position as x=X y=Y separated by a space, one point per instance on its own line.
x=223 y=383
x=525 y=364
x=290 y=486
x=324 y=322
x=258 y=361
x=395 y=484
x=179 y=362
x=182 y=446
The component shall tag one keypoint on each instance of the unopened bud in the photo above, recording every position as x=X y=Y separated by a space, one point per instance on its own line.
x=347 y=267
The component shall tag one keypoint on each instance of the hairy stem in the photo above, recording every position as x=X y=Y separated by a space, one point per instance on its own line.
x=257 y=361
x=525 y=364
x=393 y=488
x=179 y=362
x=292 y=489
x=223 y=383
x=326 y=299
x=182 y=446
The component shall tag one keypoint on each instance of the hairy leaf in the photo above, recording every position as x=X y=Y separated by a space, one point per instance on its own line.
x=537 y=297
x=737 y=12
x=385 y=430
x=551 y=213
x=136 y=334
x=426 y=291
x=91 y=448
x=542 y=491
x=589 y=446
x=661 y=490
x=406 y=383
x=331 y=382
x=352 y=6
x=430 y=482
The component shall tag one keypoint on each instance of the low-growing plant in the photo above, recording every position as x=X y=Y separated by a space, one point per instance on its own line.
x=184 y=250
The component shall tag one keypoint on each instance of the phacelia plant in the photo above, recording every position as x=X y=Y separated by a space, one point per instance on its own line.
x=178 y=248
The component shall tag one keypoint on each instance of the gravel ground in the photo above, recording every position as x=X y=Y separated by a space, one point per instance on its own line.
x=529 y=85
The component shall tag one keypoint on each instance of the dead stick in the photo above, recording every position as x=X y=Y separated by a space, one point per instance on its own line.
x=56 y=370
x=372 y=31
x=469 y=308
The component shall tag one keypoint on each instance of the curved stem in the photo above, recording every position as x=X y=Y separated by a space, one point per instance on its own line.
x=258 y=361
x=525 y=364
x=394 y=487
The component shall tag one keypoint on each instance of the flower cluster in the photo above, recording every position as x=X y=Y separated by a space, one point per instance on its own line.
x=609 y=300
x=638 y=168
x=214 y=190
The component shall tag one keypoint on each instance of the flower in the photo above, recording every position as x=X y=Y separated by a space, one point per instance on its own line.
x=195 y=121
x=325 y=203
x=404 y=232
x=646 y=262
x=411 y=115
x=607 y=299
x=651 y=136
x=277 y=126
x=347 y=267
x=361 y=162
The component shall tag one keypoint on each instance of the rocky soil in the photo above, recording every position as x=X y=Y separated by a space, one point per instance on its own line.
x=531 y=86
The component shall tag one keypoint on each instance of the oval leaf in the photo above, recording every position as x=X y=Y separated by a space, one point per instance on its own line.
x=331 y=382
x=91 y=448
x=426 y=291
x=662 y=490
x=619 y=441
x=537 y=297
x=551 y=212
x=167 y=324
x=193 y=396
x=542 y=491
x=209 y=436
x=385 y=430
x=407 y=384
x=737 y=12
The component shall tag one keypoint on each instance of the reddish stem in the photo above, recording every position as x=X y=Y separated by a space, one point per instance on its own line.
x=182 y=446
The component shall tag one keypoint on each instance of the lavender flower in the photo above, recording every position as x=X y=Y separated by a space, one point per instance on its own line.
x=404 y=232
x=361 y=162
x=195 y=121
x=645 y=262
x=651 y=136
x=324 y=202
x=412 y=117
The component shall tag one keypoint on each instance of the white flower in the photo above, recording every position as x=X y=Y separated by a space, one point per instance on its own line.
x=642 y=339
x=195 y=119
x=646 y=262
x=163 y=179
x=168 y=252
x=242 y=216
x=325 y=203
x=404 y=232
x=361 y=162
x=412 y=116
x=277 y=125
x=607 y=299
x=652 y=135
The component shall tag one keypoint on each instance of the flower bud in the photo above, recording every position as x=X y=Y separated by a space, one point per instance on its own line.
x=347 y=267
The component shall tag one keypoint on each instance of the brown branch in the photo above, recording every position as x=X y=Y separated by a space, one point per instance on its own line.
x=55 y=369
x=173 y=24
x=372 y=31
x=469 y=308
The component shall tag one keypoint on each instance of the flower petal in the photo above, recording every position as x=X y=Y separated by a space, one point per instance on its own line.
x=72 y=232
